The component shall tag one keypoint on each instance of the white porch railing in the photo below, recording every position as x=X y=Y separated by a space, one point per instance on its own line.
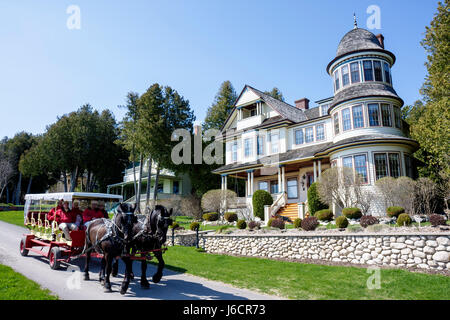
x=278 y=203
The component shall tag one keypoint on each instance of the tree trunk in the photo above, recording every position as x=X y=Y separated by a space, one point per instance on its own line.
x=149 y=181
x=18 y=190
x=139 y=187
x=65 y=181
x=134 y=172
x=7 y=194
x=155 y=189
x=92 y=183
x=88 y=181
x=29 y=184
x=74 y=178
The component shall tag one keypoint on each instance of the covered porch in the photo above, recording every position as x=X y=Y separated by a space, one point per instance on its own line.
x=287 y=182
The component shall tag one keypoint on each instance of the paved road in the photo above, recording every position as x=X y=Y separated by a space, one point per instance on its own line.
x=68 y=284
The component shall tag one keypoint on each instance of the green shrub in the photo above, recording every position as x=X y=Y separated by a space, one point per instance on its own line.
x=231 y=216
x=404 y=220
x=341 y=222
x=175 y=225
x=394 y=211
x=352 y=213
x=241 y=224
x=211 y=216
x=194 y=226
x=324 y=215
x=297 y=223
x=314 y=203
x=260 y=199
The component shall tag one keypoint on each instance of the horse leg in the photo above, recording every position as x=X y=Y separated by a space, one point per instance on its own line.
x=144 y=282
x=115 y=268
x=108 y=258
x=126 y=279
x=159 y=273
x=86 y=265
x=101 y=276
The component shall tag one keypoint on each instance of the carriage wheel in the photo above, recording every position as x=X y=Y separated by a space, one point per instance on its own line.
x=23 y=251
x=55 y=254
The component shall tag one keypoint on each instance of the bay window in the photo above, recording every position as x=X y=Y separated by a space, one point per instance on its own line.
x=387 y=164
x=248 y=147
x=346 y=121
x=358 y=117
x=377 y=70
x=234 y=151
x=387 y=73
x=368 y=73
x=372 y=109
x=260 y=145
x=386 y=115
x=336 y=80
x=398 y=117
x=274 y=138
x=336 y=123
x=345 y=76
x=354 y=69
x=361 y=167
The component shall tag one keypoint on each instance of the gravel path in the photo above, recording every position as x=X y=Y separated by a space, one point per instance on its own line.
x=69 y=285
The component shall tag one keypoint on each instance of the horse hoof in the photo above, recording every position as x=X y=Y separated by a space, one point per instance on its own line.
x=145 y=284
x=156 y=278
x=86 y=276
x=108 y=288
x=123 y=291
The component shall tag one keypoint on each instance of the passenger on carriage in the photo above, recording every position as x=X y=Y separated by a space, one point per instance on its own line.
x=51 y=214
x=66 y=219
x=101 y=207
x=91 y=213
x=77 y=213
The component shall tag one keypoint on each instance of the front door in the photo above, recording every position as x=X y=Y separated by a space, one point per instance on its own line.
x=292 y=190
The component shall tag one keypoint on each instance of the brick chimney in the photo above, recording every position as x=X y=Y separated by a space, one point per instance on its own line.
x=380 y=38
x=302 y=103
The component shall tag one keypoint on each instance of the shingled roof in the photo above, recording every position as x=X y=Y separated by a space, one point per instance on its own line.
x=365 y=89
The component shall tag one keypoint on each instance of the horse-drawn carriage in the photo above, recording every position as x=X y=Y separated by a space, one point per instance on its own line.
x=129 y=239
x=45 y=237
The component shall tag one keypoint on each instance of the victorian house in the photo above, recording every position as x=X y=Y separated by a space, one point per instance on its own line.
x=284 y=148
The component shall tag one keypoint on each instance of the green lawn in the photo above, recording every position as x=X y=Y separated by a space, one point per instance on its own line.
x=306 y=281
x=13 y=217
x=14 y=286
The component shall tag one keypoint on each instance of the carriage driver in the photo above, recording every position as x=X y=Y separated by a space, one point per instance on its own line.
x=91 y=213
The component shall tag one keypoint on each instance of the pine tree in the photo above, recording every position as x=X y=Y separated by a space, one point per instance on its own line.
x=219 y=111
x=275 y=93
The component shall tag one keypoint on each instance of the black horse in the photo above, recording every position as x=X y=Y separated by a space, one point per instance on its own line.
x=111 y=238
x=150 y=235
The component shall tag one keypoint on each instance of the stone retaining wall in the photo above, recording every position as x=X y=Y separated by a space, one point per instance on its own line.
x=425 y=251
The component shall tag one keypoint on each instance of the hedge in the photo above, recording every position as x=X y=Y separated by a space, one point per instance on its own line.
x=260 y=199
x=352 y=213
x=395 y=211
x=324 y=215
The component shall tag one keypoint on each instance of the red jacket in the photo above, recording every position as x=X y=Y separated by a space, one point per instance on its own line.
x=51 y=214
x=76 y=212
x=62 y=216
x=90 y=214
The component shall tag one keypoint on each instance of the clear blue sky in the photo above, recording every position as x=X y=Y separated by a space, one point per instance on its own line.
x=47 y=70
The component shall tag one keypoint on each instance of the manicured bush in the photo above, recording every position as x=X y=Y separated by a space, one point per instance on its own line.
x=254 y=225
x=404 y=220
x=314 y=203
x=310 y=223
x=437 y=220
x=211 y=216
x=366 y=221
x=175 y=225
x=231 y=216
x=341 y=222
x=260 y=199
x=241 y=224
x=394 y=211
x=194 y=226
x=297 y=223
x=277 y=223
x=324 y=215
x=352 y=213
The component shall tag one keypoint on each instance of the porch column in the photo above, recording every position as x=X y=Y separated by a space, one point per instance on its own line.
x=224 y=194
x=283 y=179
x=252 y=180
x=279 y=180
x=315 y=171
x=320 y=168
